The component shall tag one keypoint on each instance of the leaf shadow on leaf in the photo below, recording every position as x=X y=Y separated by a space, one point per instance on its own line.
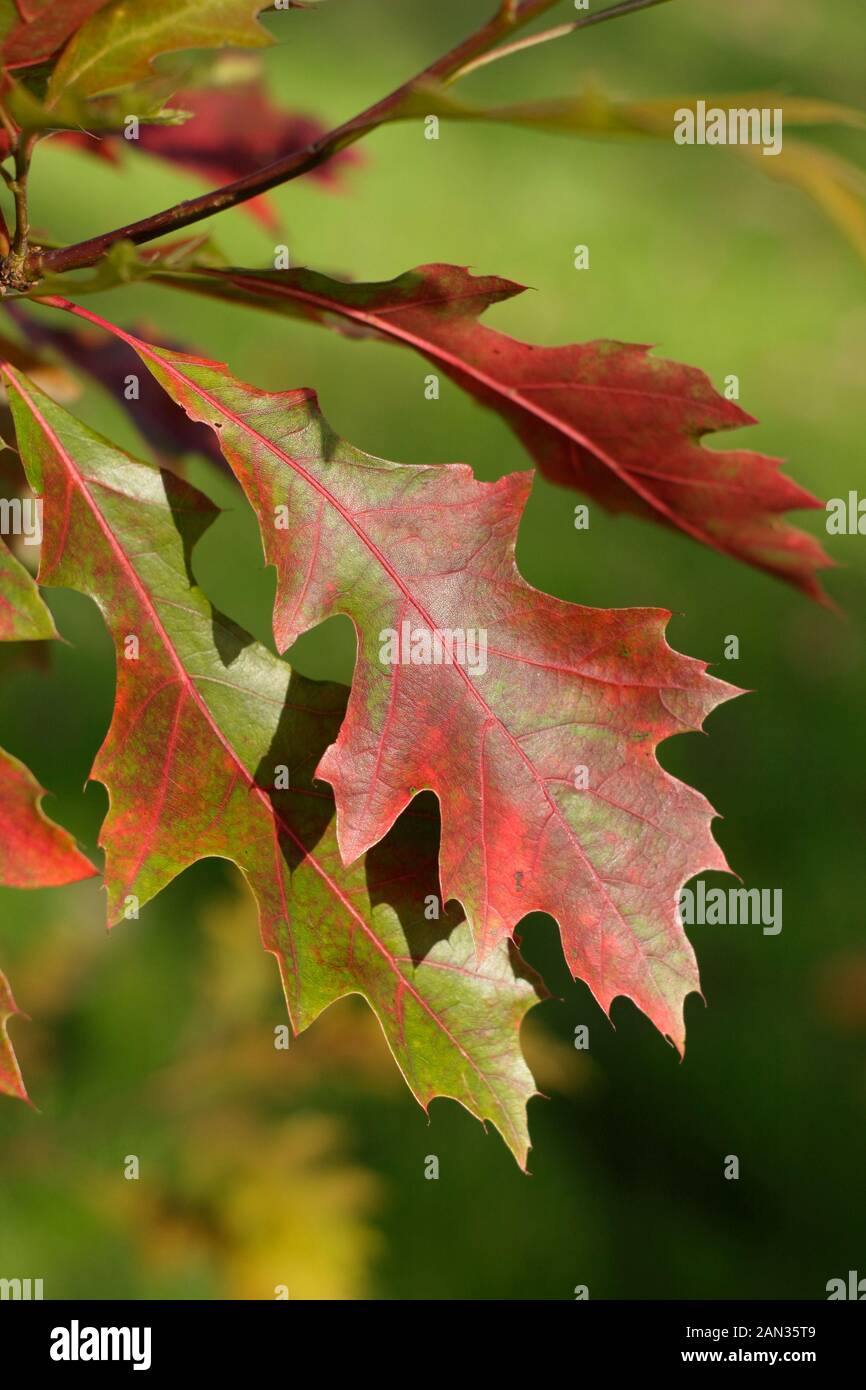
x=401 y=871
x=191 y=520
x=413 y=840
x=305 y=809
x=229 y=638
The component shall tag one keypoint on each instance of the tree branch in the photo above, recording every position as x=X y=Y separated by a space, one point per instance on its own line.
x=508 y=18
x=13 y=268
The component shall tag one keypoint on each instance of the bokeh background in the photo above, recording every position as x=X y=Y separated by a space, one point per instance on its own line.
x=306 y=1168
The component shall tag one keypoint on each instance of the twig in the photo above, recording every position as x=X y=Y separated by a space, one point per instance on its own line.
x=20 y=242
x=561 y=31
x=13 y=273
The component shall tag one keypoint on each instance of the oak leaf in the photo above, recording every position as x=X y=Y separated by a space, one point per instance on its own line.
x=117 y=45
x=24 y=616
x=46 y=29
x=34 y=852
x=540 y=744
x=11 y=1080
x=208 y=727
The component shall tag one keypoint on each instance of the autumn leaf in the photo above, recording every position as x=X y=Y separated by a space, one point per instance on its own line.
x=836 y=184
x=606 y=418
x=79 y=122
x=73 y=114
x=25 y=620
x=11 y=1080
x=116 y=47
x=34 y=853
x=9 y=18
x=538 y=741
x=23 y=615
x=38 y=38
x=207 y=728
x=593 y=111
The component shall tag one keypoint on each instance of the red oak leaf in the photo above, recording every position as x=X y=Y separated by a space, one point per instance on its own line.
x=23 y=615
x=11 y=1080
x=34 y=853
x=45 y=29
x=534 y=721
x=606 y=418
x=212 y=750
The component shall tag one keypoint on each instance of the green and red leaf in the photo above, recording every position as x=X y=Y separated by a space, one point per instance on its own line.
x=11 y=1080
x=117 y=45
x=563 y=687
x=46 y=30
x=24 y=617
x=34 y=853
x=204 y=721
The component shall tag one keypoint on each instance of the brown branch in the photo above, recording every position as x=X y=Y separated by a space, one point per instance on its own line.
x=507 y=19
x=13 y=268
x=20 y=244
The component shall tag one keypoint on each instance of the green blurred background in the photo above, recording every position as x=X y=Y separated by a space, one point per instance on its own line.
x=306 y=1168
